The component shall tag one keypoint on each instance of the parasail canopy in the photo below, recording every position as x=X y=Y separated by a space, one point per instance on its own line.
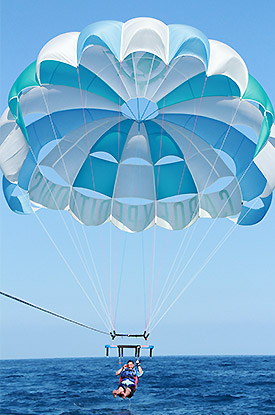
x=139 y=123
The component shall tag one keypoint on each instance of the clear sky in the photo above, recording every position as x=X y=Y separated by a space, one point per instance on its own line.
x=230 y=307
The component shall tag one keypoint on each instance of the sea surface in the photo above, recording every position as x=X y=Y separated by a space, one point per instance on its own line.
x=170 y=385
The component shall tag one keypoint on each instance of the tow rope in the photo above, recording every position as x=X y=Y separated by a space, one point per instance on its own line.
x=52 y=313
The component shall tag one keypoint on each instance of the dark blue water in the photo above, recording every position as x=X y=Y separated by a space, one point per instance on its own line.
x=170 y=385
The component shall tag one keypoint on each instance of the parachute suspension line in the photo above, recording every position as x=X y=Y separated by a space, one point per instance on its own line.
x=82 y=258
x=117 y=291
x=117 y=179
x=70 y=269
x=223 y=142
x=115 y=277
x=64 y=165
x=181 y=180
x=195 y=276
x=218 y=155
x=147 y=105
x=66 y=226
x=167 y=279
x=204 y=237
x=161 y=132
x=110 y=243
x=117 y=184
x=142 y=254
x=153 y=254
x=150 y=277
x=170 y=280
x=135 y=73
x=52 y=313
x=140 y=188
x=212 y=168
x=208 y=259
x=120 y=274
x=143 y=274
x=62 y=256
x=146 y=88
x=158 y=88
x=113 y=63
x=92 y=173
x=125 y=239
x=172 y=285
x=60 y=253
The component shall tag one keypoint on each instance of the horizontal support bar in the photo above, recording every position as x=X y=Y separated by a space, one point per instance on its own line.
x=128 y=346
x=129 y=335
x=113 y=335
x=137 y=348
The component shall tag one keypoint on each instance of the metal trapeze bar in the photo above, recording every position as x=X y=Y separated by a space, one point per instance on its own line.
x=113 y=335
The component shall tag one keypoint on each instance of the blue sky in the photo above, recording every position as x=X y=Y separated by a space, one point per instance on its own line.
x=230 y=307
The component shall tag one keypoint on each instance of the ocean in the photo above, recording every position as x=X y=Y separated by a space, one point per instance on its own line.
x=176 y=385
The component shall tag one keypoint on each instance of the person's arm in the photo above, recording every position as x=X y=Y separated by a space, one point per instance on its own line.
x=118 y=372
x=140 y=371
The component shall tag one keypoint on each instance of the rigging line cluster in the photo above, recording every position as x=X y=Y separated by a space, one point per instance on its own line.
x=152 y=283
x=172 y=285
x=182 y=176
x=208 y=259
x=66 y=226
x=85 y=265
x=69 y=267
x=200 y=243
x=93 y=180
x=114 y=305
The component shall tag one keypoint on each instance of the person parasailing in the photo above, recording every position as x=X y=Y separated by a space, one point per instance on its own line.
x=128 y=380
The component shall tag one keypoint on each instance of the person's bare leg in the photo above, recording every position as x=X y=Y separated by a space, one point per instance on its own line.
x=118 y=391
x=127 y=393
x=122 y=392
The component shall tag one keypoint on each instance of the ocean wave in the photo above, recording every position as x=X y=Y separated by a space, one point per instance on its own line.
x=261 y=383
x=222 y=397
